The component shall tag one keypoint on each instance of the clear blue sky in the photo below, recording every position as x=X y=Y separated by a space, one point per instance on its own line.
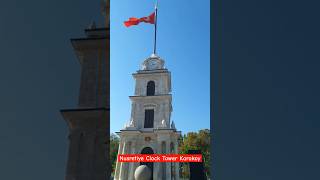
x=184 y=44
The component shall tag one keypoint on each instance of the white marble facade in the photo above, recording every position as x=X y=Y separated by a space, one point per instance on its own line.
x=152 y=93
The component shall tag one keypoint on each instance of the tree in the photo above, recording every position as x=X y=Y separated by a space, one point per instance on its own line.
x=114 y=145
x=197 y=141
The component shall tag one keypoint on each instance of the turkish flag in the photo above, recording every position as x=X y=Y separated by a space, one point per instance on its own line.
x=135 y=21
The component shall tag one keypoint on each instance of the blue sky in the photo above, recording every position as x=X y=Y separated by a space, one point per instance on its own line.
x=184 y=44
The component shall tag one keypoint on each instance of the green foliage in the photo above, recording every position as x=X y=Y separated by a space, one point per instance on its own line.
x=114 y=145
x=197 y=141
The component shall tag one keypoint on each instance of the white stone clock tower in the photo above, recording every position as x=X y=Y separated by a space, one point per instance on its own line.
x=149 y=130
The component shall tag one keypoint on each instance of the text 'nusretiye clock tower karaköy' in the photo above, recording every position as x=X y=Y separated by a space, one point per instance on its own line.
x=150 y=130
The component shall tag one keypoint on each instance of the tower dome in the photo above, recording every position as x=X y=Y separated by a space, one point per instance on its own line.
x=153 y=62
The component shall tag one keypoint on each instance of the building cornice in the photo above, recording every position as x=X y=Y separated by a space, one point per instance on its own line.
x=169 y=96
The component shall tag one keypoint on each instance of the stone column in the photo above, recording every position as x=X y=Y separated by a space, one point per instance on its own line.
x=123 y=166
x=118 y=164
x=163 y=165
x=139 y=115
x=160 y=116
x=168 y=164
x=132 y=164
x=159 y=165
x=166 y=114
x=126 y=165
x=156 y=166
x=177 y=177
x=133 y=115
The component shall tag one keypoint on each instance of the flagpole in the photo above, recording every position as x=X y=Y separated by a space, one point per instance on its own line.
x=155 y=28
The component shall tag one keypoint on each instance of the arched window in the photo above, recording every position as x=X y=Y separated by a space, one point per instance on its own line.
x=150 y=88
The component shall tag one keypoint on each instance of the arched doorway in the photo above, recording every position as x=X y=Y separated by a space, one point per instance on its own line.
x=148 y=150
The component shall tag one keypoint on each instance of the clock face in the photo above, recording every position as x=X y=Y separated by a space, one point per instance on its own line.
x=153 y=64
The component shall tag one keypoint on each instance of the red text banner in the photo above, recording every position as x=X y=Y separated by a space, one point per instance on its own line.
x=159 y=158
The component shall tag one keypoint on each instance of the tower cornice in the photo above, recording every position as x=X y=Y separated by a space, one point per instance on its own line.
x=146 y=72
x=161 y=96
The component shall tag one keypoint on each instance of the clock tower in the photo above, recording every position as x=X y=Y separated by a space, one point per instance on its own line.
x=88 y=123
x=150 y=129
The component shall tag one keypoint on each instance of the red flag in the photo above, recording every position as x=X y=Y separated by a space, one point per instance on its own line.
x=135 y=21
